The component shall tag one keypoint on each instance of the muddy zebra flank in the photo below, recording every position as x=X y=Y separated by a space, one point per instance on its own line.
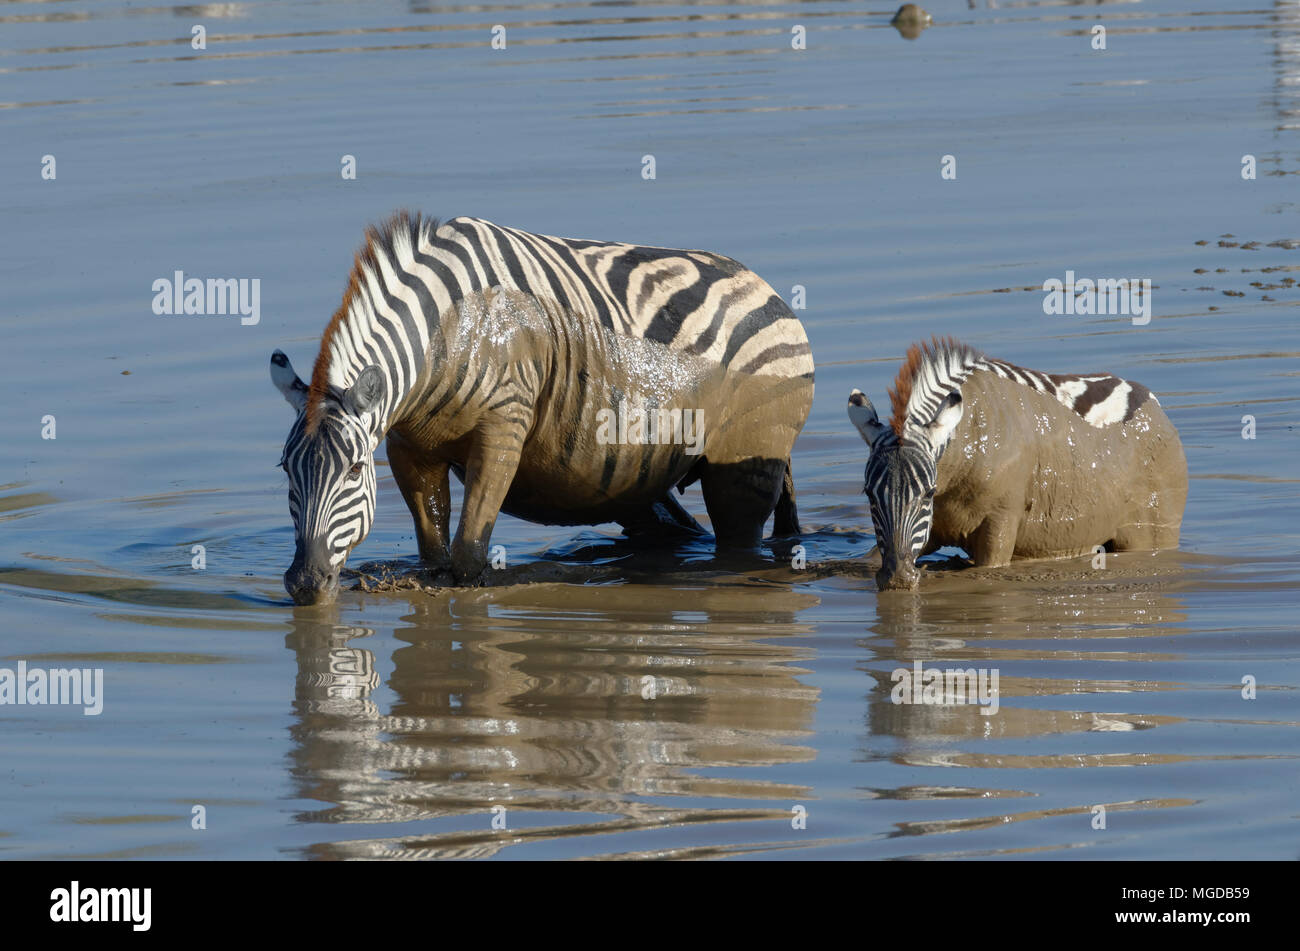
x=1006 y=462
x=504 y=356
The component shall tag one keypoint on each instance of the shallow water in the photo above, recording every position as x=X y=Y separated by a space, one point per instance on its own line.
x=620 y=702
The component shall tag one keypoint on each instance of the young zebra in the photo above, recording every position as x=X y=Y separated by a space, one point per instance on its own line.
x=1008 y=463
x=565 y=382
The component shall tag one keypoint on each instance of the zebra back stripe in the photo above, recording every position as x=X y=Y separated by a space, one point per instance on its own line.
x=411 y=271
x=935 y=369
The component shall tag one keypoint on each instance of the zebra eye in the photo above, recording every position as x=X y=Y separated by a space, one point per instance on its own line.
x=356 y=469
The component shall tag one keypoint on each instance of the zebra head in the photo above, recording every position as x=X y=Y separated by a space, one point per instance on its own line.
x=900 y=481
x=331 y=467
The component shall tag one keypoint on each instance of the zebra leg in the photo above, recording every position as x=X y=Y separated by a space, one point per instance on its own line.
x=1148 y=527
x=425 y=487
x=994 y=542
x=664 y=518
x=786 y=521
x=740 y=496
x=1142 y=533
x=490 y=468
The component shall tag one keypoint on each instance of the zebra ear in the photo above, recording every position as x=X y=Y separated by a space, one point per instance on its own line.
x=945 y=421
x=364 y=395
x=863 y=416
x=286 y=381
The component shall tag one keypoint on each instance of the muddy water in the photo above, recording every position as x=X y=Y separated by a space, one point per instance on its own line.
x=619 y=702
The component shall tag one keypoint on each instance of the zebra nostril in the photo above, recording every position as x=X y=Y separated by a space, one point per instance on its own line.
x=310 y=584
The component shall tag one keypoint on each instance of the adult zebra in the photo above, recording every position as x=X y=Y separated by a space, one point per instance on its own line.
x=544 y=372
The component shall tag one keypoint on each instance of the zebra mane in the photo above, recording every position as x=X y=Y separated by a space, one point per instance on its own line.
x=402 y=226
x=933 y=370
x=930 y=372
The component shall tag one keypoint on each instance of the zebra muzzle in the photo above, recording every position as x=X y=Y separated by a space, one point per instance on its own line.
x=895 y=576
x=311 y=581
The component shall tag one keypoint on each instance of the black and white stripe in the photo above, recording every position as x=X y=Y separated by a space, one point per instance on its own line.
x=331 y=485
x=692 y=301
x=899 y=483
x=1101 y=399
